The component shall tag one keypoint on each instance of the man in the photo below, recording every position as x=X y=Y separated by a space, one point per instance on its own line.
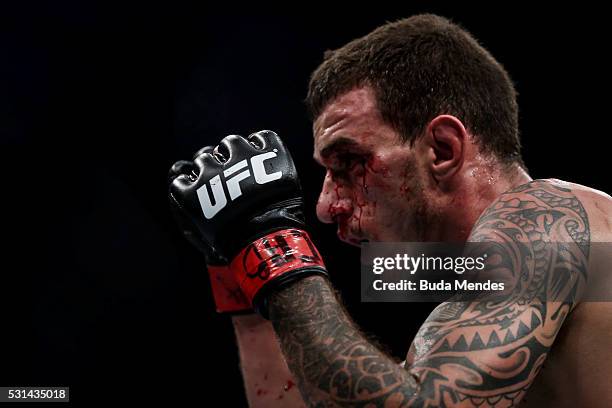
x=416 y=125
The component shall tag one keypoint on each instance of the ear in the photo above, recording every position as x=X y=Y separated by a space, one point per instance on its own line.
x=445 y=138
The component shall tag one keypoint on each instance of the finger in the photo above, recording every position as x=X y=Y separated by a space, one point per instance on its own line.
x=180 y=183
x=178 y=168
x=205 y=161
x=261 y=140
x=231 y=144
x=205 y=149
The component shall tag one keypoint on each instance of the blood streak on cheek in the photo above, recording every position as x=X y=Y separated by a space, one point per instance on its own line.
x=358 y=217
x=365 y=173
x=332 y=209
x=361 y=204
x=374 y=166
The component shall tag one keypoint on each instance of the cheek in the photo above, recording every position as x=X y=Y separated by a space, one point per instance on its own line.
x=378 y=166
x=389 y=189
x=379 y=181
x=370 y=192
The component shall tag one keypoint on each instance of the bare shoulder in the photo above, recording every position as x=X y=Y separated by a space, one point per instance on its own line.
x=538 y=211
x=579 y=189
x=597 y=205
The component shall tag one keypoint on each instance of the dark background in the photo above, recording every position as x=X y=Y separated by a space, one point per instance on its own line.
x=99 y=290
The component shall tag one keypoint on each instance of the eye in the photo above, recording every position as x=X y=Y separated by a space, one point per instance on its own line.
x=345 y=162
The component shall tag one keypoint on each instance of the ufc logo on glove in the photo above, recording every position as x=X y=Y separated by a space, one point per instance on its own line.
x=232 y=181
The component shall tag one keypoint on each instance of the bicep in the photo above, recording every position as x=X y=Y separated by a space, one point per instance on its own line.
x=482 y=352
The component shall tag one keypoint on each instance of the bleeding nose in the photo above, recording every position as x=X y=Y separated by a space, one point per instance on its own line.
x=333 y=201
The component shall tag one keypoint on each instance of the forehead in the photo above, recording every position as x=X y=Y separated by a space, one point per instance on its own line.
x=348 y=116
x=355 y=104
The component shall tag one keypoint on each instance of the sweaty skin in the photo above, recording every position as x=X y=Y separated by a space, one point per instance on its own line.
x=443 y=187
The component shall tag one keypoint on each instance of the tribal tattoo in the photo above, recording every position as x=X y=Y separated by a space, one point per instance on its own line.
x=483 y=353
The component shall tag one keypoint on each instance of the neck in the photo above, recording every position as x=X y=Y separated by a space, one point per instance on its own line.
x=482 y=185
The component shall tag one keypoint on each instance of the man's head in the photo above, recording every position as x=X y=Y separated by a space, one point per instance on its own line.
x=402 y=117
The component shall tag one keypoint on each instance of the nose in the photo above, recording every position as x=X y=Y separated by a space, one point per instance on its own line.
x=334 y=201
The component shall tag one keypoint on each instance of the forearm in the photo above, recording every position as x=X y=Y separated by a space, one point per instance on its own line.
x=267 y=379
x=334 y=364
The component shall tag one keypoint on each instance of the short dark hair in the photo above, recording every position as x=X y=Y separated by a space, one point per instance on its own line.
x=421 y=67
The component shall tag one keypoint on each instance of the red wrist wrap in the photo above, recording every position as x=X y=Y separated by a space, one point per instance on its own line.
x=226 y=291
x=273 y=255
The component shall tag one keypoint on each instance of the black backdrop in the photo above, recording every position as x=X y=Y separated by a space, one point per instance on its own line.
x=99 y=290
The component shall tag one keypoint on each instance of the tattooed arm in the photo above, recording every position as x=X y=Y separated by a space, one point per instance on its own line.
x=479 y=353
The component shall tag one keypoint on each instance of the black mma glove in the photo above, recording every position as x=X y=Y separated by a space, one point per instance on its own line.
x=242 y=201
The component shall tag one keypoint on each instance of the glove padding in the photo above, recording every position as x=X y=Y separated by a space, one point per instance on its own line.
x=241 y=200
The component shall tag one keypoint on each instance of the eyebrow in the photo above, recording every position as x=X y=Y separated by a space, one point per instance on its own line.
x=338 y=143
